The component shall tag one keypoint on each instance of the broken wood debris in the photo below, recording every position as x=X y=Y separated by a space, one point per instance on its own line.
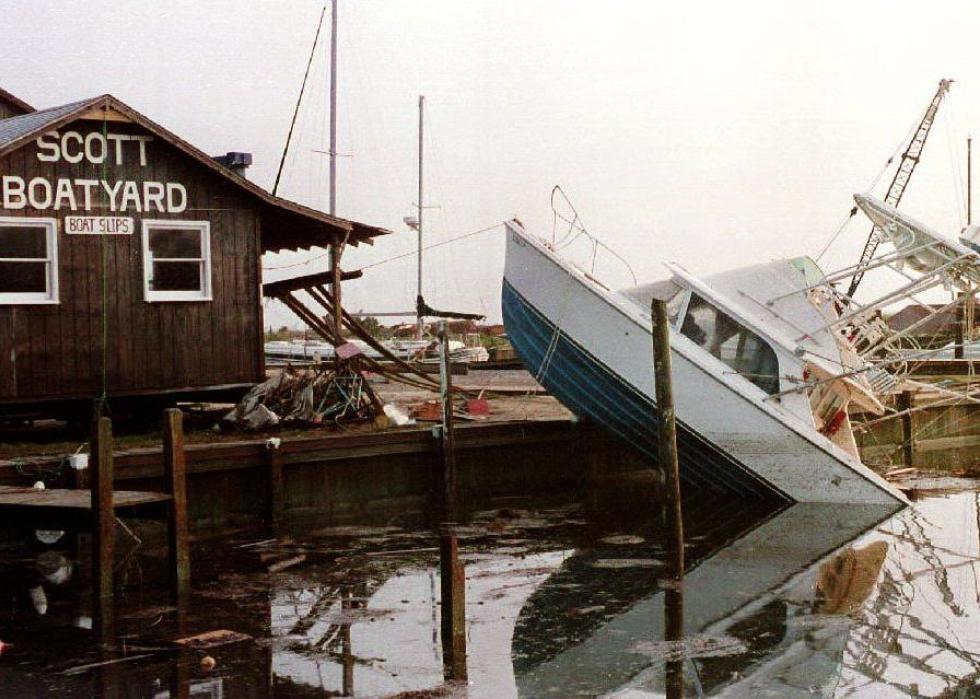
x=286 y=563
x=212 y=639
x=315 y=396
x=78 y=669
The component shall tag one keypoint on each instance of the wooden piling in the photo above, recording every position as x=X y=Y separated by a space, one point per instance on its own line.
x=103 y=525
x=453 y=583
x=175 y=472
x=959 y=336
x=277 y=481
x=667 y=453
x=906 y=399
x=346 y=645
x=667 y=431
x=336 y=252
x=447 y=437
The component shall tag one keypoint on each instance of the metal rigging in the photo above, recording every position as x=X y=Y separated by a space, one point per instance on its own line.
x=910 y=158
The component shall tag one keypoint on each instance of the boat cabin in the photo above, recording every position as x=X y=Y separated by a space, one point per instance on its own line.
x=769 y=325
x=130 y=261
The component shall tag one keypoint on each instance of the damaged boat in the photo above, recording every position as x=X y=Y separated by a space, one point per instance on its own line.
x=763 y=370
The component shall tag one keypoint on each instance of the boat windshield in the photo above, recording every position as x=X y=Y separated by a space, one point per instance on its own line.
x=675 y=305
x=731 y=342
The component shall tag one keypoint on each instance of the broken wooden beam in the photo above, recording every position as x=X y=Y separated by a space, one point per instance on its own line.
x=285 y=286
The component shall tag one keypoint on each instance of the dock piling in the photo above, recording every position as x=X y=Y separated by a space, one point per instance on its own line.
x=905 y=401
x=103 y=532
x=175 y=472
x=667 y=429
x=277 y=482
x=667 y=453
x=453 y=583
x=447 y=441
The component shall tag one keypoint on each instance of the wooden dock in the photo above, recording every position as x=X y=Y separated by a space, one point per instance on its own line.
x=330 y=472
x=29 y=507
x=96 y=508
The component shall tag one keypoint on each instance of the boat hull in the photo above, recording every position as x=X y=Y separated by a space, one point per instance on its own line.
x=592 y=350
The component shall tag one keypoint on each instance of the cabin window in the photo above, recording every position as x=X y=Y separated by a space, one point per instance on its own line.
x=28 y=261
x=735 y=345
x=676 y=305
x=177 y=260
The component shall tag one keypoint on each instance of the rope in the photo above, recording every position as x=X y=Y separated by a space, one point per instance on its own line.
x=840 y=228
x=396 y=257
x=872 y=185
x=103 y=398
x=577 y=223
x=299 y=100
x=954 y=161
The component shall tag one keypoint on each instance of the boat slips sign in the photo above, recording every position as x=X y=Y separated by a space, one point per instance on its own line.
x=98 y=194
x=99 y=225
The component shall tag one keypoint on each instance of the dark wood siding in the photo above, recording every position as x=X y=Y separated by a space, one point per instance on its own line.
x=103 y=334
x=9 y=109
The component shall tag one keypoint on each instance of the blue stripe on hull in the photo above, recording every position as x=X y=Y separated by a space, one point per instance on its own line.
x=590 y=389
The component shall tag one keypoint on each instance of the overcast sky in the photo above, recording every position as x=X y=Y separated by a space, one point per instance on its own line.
x=711 y=134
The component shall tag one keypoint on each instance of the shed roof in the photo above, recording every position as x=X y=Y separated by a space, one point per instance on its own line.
x=15 y=101
x=286 y=225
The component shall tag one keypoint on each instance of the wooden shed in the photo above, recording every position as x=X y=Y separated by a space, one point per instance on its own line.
x=11 y=105
x=130 y=261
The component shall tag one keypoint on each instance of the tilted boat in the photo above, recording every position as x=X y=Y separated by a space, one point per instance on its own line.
x=763 y=373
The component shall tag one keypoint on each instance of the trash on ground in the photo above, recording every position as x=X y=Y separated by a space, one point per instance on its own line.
x=312 y=396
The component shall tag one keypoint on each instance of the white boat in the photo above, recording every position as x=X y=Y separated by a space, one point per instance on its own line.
x=762 y=376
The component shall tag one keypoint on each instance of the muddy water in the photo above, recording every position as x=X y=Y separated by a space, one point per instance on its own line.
x=563 y=598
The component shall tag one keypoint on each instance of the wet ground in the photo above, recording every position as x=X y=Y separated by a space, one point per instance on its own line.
x=563 y=597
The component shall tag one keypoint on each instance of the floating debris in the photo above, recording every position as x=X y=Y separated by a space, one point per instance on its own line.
x=213 y=639
x=623 y=540
x=626 y=563
x=692 y=647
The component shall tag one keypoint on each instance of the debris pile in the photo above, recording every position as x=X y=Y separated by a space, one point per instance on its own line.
x=315 y=396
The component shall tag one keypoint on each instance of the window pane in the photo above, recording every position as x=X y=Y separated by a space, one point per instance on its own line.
x=175 y=242
x=21 y=277
x=176 y=276
x=16 y=241
x=735 y=345
x=674 y=306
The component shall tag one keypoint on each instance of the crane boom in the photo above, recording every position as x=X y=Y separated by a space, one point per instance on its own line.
x=910 y=158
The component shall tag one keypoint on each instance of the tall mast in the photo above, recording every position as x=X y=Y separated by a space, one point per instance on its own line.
x=969 y=180
x=418 y=299
x=333 y=108
x=336 y=248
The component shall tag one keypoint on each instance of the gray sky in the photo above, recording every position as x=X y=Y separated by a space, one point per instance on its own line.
x=711 y=134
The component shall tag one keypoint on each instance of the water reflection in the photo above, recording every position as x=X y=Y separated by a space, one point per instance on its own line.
x=568 y=597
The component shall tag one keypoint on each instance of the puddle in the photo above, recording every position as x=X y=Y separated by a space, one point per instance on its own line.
x=569 y=597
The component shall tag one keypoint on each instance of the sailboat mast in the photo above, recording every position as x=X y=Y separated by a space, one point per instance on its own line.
x=336 y=248
x=333 y=108
x=418 y=301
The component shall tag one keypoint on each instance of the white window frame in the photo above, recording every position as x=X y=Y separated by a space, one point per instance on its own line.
x=50 y=295
x=204 y=228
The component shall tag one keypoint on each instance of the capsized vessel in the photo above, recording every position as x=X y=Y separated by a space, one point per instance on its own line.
x=762 y=374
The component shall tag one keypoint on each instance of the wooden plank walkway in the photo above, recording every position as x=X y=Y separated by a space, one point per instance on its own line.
x=61 y=507
x=73 y=499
